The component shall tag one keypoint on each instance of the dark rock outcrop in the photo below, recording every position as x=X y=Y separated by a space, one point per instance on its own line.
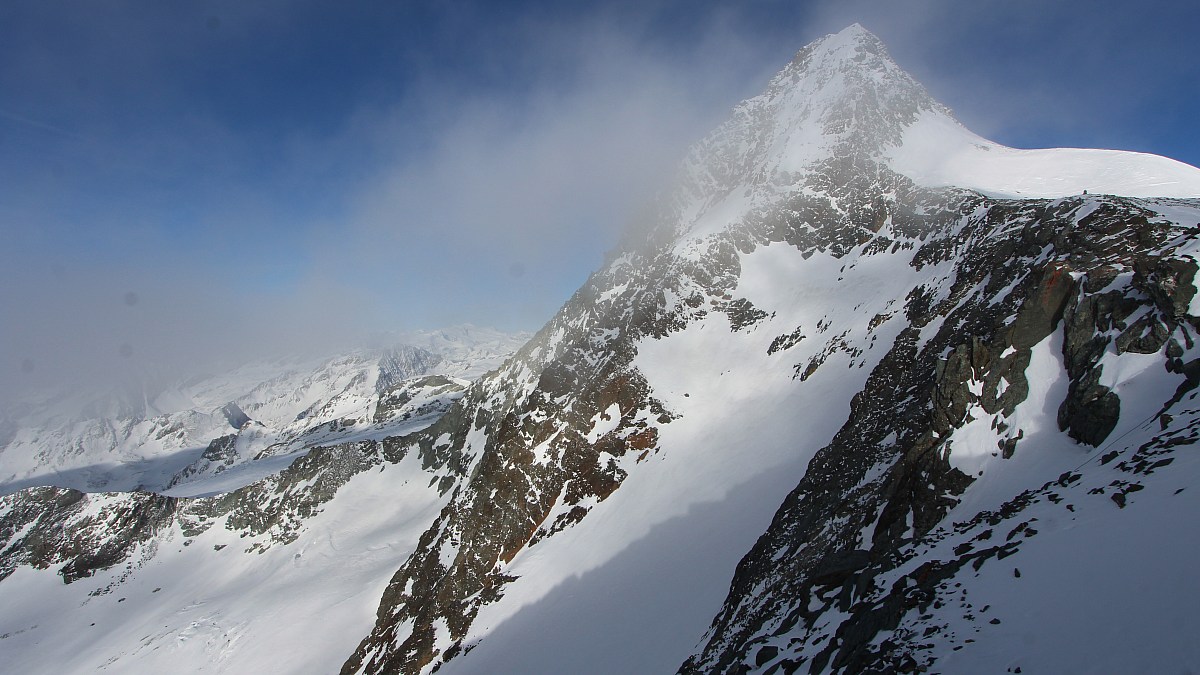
x=234 y=415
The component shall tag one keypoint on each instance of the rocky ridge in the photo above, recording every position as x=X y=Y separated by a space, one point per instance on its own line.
x=155 y=438
x=805 y=165
x=927 y=381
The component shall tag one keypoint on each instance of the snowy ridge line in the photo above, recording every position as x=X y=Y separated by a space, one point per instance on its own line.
x=937 y=151
x=272 y=410
x=818 y=415
x=839 y=202
x=1150 y=315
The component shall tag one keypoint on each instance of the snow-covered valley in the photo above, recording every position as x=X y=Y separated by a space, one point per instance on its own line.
x=867 y=393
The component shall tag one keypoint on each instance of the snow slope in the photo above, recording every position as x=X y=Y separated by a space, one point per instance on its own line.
x=143 y=440
x=209 y=602
x=784 y=280
x=937 y=151
x=633 y=586
x=843 y=97
x=822 y=415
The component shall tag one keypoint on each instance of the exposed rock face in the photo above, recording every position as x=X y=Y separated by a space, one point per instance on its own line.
x=960 y=372
x=1004 y=277
x=114 y=535
x=431 y=394
x=146 y=439
x=1025 y=271
x=43 y=527
x=220 y=454
x=402 y=363
x=234 y=415
x=82 y=533
x=526 y=469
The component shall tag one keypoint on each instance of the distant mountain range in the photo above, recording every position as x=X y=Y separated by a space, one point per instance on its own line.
x=866 y=393
x=160 y=435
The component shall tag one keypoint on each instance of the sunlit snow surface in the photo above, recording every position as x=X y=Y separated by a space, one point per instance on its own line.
x=205 y=604
x=634 y=585
x=126 y=440
x=937 y=151
x=1095 y=588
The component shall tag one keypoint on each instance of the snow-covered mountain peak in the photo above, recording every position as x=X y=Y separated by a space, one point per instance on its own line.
x=841 y=108
x=848 y=89
x=840 y=418
x=841 y=97
x=842 y=64
x=155 y=433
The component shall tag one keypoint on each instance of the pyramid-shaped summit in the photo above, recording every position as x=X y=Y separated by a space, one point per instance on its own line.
x=868 y=393
x=842 y=93
x=819 y=339
x=840 y=105
x=843 y=101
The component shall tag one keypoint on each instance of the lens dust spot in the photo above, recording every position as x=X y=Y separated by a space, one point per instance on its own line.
x=516 y=270
x=27 y=366
x=126 y=350
x=131 y=298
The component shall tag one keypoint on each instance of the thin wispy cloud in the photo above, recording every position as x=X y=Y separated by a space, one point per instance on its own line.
x=267 y=180
x=39 y=125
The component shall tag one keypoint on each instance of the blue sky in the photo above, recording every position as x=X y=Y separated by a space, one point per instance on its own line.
x=269 y=175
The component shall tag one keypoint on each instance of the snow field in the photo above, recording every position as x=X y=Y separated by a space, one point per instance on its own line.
x=632 y=587
x=205 y=602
